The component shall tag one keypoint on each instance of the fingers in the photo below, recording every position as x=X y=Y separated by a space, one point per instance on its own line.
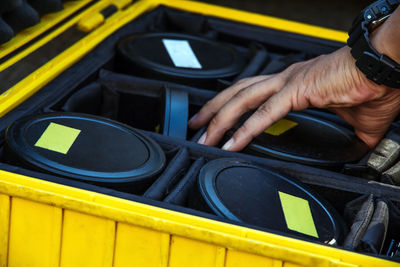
x=277 y=107
x=245 y=100
x=208 y=111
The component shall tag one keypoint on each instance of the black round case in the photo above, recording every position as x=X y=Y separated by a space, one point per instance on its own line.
x=147 y=55
x=254 y=195
x=85 y=147
x=311 y=141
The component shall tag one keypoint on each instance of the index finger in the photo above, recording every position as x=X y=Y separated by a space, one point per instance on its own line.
x=208 y=111
x=274 y=109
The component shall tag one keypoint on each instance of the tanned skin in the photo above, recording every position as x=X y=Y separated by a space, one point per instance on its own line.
x=329 y=81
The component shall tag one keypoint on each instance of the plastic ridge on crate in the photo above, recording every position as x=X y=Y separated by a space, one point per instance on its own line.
x=25 y=36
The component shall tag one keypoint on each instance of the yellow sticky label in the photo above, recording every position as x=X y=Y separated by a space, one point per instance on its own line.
x=297 y=214
x=158 y=128
x=280 y=127
x=58 y=138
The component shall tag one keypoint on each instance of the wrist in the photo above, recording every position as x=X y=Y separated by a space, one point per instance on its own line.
x=385 y=38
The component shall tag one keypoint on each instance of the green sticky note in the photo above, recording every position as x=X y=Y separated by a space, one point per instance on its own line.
x=58 y=138
x=297 y=214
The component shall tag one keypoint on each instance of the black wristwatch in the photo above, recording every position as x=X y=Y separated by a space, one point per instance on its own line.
x=377 y=67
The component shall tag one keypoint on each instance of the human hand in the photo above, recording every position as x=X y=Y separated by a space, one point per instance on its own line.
x=328 y=81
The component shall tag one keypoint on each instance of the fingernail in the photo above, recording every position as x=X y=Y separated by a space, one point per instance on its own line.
x=202 y=139
x=228 y=144
x=193 y=118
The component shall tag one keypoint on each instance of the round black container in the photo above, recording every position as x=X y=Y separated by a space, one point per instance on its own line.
x=181 y=58
x=250 y=194
x=309 y=140
x=86 y=148
x=175 y=116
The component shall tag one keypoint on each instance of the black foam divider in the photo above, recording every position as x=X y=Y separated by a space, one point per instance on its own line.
x=260 y=57
x=17 y=15
x=173 y=172
x=6 y=32
x=46 y=6
x=279 y=63
x=179 y=195
x=9 y=5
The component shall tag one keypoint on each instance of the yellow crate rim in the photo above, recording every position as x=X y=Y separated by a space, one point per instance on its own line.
x=180 y=224
x=254 y=19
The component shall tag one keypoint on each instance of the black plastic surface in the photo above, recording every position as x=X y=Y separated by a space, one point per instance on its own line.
x=146 y=54
x=176 y=109
x=21 y=17
x=312 y=141
x=248 y=193
x=105 y=151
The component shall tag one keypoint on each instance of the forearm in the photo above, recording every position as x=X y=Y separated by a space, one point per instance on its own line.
x=386 y=38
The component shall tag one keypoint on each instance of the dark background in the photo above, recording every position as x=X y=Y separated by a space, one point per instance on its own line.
x=337 y=14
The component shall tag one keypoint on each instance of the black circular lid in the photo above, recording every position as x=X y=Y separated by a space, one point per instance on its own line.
x=254 y=195
x=84 y=147
x=181 y=56
x=305 y=139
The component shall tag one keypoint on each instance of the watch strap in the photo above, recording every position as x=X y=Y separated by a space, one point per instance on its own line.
x=377 y=67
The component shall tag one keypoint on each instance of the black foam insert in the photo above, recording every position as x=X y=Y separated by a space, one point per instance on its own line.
x=46 y=6
x=9 y=5
x=6 y=32
x=21 y=17
x=21 y=14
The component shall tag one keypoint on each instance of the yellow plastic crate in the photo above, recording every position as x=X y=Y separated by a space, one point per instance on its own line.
x=47 y=224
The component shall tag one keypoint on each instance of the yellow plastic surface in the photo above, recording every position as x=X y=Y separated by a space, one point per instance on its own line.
x=91 y=229
x=66 y=226
x=254 y=19
x=138 y=246
x=87 y=240
x=4 y=228
x=35 y=234
x=89 y=23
